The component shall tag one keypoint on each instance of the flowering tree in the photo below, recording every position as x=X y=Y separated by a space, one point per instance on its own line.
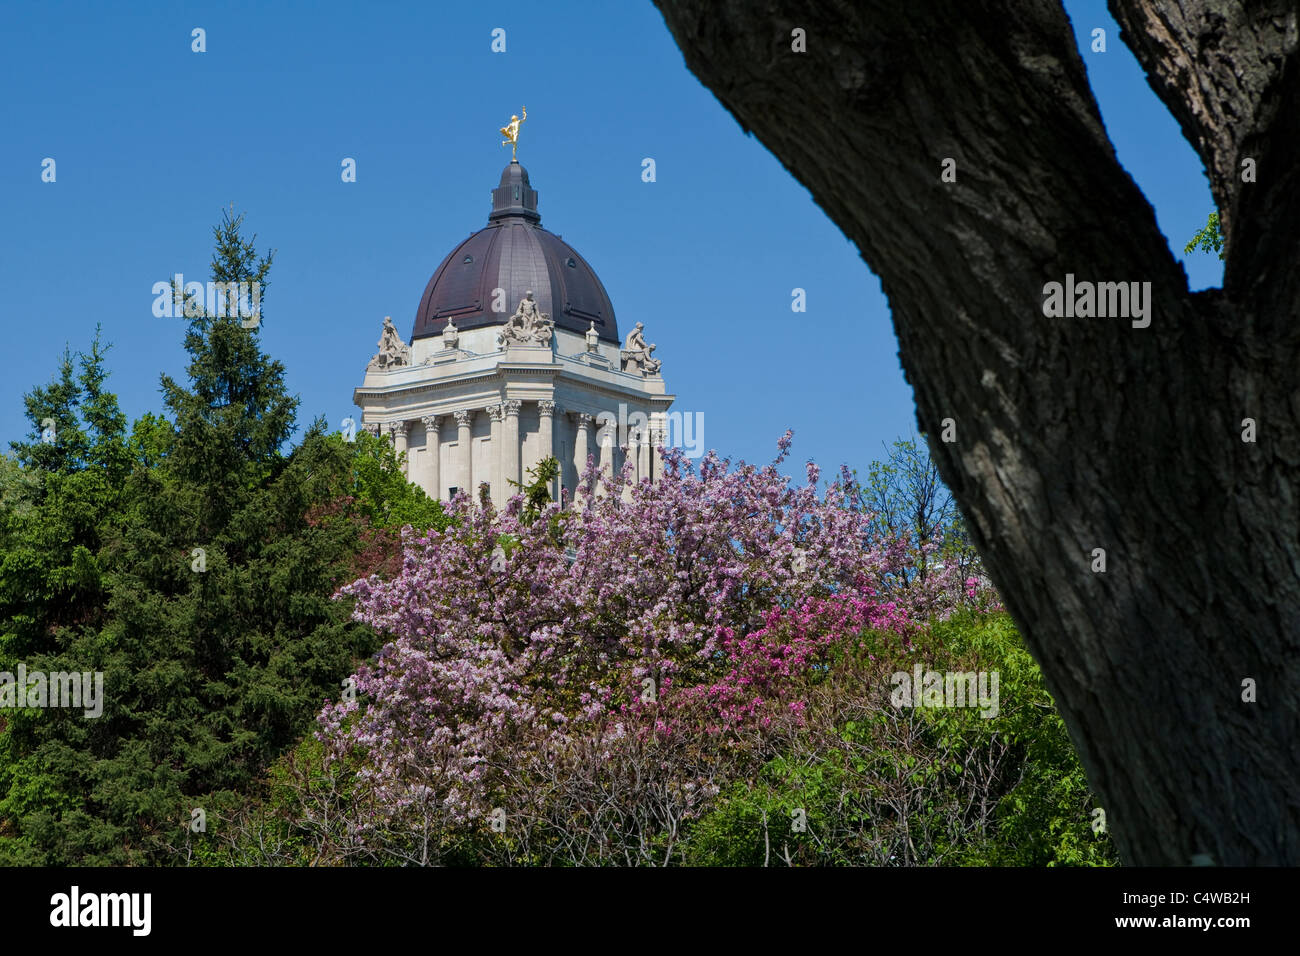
x=680 y=615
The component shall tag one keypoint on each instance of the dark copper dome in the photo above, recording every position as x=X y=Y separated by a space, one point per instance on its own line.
x=516 y=254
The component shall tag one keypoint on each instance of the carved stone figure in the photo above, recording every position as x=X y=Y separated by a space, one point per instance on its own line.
x=393 y=352
x=528 y=326
x=636 y=339
x=450 y=335
x=593 y=337
x=637 y=354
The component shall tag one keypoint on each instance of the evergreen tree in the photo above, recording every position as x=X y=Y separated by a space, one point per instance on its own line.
x=58 y=443
x=53 y=602
x=193 y=562
x=233 y=419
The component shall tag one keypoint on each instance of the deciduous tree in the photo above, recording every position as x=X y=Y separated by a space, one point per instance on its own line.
x=1077 y=436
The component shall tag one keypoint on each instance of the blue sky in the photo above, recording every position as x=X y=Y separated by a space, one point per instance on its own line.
x=152 y=141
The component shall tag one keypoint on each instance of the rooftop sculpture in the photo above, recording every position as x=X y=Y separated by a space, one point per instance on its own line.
x=393 y=351
x=528 y=326
x=511 y=133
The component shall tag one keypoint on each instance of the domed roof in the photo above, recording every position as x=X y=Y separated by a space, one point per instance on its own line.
x=516 y=254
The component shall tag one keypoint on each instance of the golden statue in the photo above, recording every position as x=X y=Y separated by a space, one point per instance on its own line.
x=511 y=133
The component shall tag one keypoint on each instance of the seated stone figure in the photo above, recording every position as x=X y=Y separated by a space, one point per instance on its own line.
x=637 y=354
x=392 y=350
x=528 y=326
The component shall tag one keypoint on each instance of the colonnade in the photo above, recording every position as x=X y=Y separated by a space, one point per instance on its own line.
x=506 y=451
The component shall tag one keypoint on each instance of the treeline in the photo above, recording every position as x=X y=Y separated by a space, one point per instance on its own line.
x=700 y=674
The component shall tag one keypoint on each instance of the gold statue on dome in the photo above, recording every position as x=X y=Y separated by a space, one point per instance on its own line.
x=511 y=133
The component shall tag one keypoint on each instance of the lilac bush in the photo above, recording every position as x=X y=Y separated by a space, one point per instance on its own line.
x=689 y=608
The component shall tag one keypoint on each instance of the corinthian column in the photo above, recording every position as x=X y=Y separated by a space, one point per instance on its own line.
x=464 y=461
x=628 y=453
x=398 y=432
x=657 y=439
x=606 y=434
x=433 y=452
x=497 y=413
x=510 y=448
x=546 y=413
x=643 y=452
x=581 y=445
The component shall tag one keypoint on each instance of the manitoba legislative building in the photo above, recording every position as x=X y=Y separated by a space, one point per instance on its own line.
x=515 y=357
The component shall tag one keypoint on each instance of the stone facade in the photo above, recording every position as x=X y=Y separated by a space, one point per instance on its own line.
x=466 y=417
x=482 y=394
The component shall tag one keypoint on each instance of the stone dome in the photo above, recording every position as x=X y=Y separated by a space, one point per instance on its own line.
x=516 y=254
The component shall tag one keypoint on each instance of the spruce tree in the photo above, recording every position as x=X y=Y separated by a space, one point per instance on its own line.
x=193 y=562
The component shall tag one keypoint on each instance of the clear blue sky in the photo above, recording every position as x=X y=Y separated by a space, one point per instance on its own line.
x=152 y=141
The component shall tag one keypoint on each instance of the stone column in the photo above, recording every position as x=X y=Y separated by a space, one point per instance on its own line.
x=433 y=451
x=659 y=435
x=497 y=413
x=643 y=452
x=464 y=451
x=397 y=431
x=581 y=445
x=510 y=448
x=546 y=416
x=607 y=435
x=628 y=453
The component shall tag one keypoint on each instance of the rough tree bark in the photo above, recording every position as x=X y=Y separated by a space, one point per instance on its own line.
x=1082 y=433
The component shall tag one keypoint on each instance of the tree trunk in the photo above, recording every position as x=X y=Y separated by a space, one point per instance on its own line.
x=1080 y=433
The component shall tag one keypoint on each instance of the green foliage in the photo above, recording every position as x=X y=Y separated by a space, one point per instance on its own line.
x=1209 y=238
x=754 y=825
x=860 y=783
x=235 y=415
x=58 y=442
x=19 y=489
x=1044 y=817
x=381 y=493
x=537 y=490
x=537 y=497
x=211 y=667
x=934 y=786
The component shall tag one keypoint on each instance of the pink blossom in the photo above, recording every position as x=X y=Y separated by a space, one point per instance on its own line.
x=697 y=606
